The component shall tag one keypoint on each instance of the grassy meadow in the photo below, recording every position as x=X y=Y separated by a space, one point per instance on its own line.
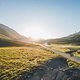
x=15 y=60
x=65 y=48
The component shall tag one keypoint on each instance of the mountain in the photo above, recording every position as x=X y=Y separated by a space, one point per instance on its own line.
x=71 y=39
x=10 y=37
x=7 y=42
x=10 y=33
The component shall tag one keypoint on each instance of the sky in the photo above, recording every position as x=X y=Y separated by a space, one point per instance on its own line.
x=41 y=18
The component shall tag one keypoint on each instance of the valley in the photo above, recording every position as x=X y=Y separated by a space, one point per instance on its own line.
x=23 y=59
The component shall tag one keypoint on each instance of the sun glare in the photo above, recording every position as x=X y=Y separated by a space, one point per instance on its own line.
x=36 y=30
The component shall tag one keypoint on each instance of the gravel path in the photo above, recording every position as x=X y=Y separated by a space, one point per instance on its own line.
x=72 y=58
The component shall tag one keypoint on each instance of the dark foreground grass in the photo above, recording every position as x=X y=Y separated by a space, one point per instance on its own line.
x=16 y=60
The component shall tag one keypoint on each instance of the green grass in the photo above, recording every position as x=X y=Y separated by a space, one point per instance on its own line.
x=73 y=64
x=77 y=55
x=65 y=48
x=15 y=60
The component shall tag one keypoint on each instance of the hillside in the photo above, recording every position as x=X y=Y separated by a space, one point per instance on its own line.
x=71 y=39
x=9 y=37
x=7 y=42
x=12 y=34
x=3 y=36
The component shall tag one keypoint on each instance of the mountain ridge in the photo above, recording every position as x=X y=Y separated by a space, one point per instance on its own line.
x=12 y=34
x=9 y=37
x=70 y=39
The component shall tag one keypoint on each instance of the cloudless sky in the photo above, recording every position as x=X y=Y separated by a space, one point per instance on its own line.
x=41 y=18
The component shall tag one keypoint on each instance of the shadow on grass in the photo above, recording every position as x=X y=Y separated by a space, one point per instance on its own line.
x=53 y=69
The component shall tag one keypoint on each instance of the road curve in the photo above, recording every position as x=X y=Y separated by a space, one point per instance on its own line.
x=72 y=58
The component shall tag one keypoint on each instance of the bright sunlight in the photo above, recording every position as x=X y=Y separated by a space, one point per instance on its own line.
x=36 y=30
